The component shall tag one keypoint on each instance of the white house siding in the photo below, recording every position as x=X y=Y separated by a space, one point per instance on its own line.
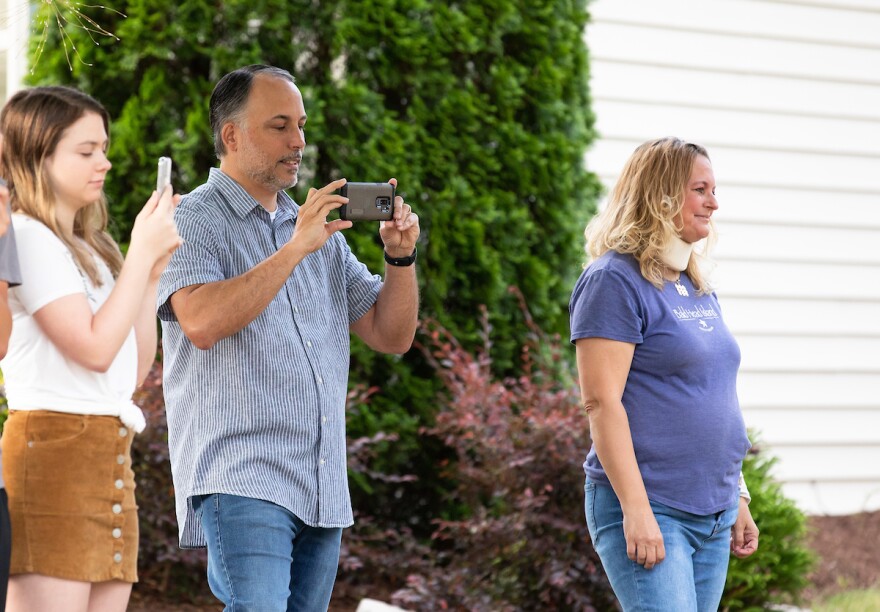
x=786 y=97
x=14 y=22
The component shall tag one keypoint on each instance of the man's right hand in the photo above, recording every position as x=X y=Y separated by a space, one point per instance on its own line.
x=312 y=228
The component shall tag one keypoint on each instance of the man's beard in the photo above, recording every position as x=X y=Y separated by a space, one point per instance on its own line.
x=262 y=170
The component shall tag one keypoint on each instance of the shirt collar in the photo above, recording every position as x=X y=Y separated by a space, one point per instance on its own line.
x=242 y=203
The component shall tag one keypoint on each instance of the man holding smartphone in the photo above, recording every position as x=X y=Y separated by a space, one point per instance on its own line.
x=256 y=308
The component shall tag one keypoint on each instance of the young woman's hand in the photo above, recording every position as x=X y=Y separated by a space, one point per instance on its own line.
x=154 y=236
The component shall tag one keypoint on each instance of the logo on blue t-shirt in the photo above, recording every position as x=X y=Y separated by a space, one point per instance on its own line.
x=696 y=313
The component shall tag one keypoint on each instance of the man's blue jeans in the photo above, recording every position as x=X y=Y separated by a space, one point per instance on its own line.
x=692 y=576
x=262 y=558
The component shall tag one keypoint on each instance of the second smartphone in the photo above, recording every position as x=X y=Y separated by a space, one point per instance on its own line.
x=163 y=174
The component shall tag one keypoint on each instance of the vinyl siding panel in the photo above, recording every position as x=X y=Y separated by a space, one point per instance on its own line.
x=798 y=317
x=751 y=19
x=690 y=87
x=794 y=429
x=773 y=205
x=760 y=165
x=806 y=390
x=828 y=135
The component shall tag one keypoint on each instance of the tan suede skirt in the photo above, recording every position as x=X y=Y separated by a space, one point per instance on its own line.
x=71 y=496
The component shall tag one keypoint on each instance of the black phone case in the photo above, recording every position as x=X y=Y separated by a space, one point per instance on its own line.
x=367 y=202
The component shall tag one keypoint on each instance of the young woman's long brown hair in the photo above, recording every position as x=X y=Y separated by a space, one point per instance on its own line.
x=32 y=123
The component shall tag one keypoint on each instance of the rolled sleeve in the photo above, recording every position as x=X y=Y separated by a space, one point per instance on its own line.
x=605 y=305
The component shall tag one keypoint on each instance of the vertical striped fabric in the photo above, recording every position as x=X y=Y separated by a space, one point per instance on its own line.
x=262 y=413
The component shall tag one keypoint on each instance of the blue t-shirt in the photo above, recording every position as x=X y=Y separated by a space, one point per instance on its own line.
x=680 y=394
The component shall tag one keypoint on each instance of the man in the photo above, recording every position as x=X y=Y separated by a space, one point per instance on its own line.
x=256 y=308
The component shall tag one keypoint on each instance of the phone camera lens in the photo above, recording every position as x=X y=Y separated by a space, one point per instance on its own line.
x=383 y=204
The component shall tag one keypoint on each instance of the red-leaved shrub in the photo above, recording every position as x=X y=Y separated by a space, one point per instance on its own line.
x=512 y=534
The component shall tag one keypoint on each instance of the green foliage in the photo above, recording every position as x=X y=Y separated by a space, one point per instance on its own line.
x=777 y=572
x=480 y=110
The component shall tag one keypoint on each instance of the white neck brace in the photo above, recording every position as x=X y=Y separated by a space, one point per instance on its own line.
x=677 y=254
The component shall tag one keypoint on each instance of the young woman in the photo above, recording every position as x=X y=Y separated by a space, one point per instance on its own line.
x=657 y=369
x=84 y=336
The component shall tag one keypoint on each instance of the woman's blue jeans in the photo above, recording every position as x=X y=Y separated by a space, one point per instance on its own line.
x=262 y=558
x=692 y=576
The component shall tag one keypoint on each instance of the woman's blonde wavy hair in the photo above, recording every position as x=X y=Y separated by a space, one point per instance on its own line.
x=639 y=218
x=32 y=123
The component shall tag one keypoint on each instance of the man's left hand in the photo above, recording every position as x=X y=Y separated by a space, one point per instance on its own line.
x=399 y=235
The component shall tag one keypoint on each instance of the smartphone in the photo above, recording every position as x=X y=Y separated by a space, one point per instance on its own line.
x=163 y=176
x=367 y=202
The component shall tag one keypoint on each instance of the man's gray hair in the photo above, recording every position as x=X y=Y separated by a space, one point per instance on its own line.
x=231 y=95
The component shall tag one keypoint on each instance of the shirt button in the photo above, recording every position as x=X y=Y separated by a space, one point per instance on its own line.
x=123 y=432
x=296 y=309
x=119 y=484
x=323 y=419
x=322 y=462
x=117 y=508
x=320 y=380
x=117 y=533
x=309 y=343
x=117 y=557
x=120 y=459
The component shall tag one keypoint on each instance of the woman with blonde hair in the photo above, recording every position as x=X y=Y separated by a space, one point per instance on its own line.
x=665 y=506
x=84 y=336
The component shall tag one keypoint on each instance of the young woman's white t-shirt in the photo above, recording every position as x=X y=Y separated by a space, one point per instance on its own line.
x=37 y=375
